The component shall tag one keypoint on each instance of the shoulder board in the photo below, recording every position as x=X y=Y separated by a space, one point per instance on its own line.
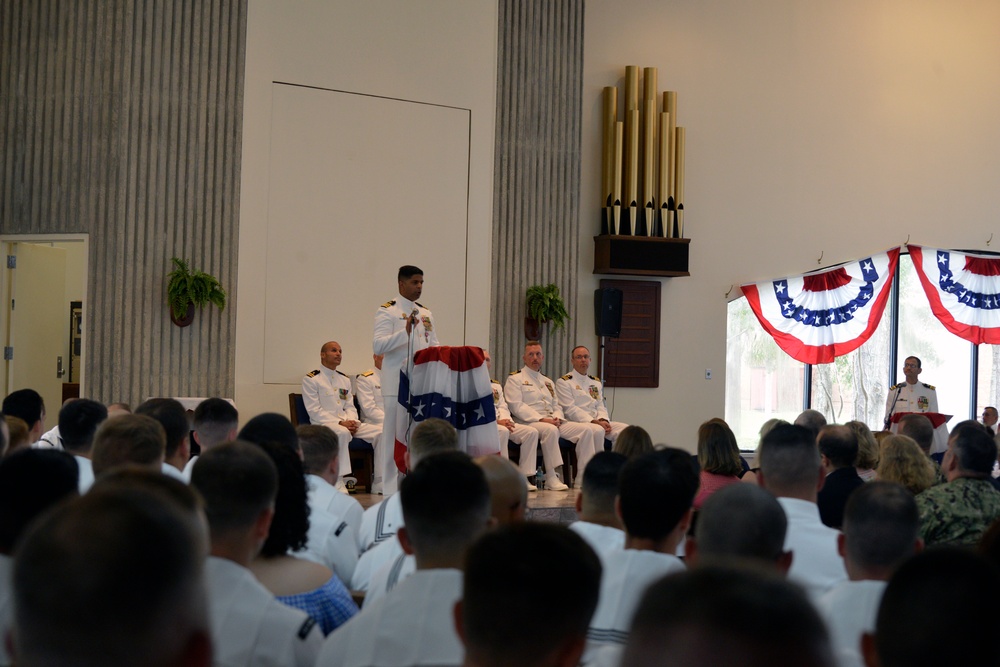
x=897 y=386
x=312 y=374
x=420 y=305
x=929 y=386
x=389 y=304
x=594 y=377
x=514 y=372
x=492 y=381
x=344 y=374
x=367 y=374
x=568 y=376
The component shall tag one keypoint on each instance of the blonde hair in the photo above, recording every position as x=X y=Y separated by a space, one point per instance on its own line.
x=867 y=447
x=902 y=461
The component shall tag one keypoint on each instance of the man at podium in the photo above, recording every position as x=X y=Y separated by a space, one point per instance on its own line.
x=910 y=396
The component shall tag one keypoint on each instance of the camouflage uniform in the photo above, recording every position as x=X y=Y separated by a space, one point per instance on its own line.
x=957 y=513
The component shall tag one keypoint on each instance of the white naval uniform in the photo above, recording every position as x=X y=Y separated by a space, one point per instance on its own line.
x=330 y=542
x=412 y=625
x=368 y=388
x=390 y=575
x=86 y=471
x=602 y=539
x=380 y=522
x=523 y=435
x=531 y=397
x=625 y=578
x=397 y=347
x=250 y=627
x=918 y=397
x=850 y=609
x=581 y=398
x=329 y=400
x=49 y=440
x=816 y=563
x=374 y=560
x=324 y=496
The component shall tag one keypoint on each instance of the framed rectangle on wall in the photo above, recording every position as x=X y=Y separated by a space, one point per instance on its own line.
x=633 y=359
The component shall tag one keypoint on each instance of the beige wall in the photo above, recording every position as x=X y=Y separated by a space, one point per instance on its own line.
x=813 y=128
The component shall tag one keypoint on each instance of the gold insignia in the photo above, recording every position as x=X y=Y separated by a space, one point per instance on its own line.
x=312 y=374
x=929 y=386
x=594 y=378
x=389 y=304
x=367 y=374
x=897 y=386
x=552 y=390
x=428 y=325
x=568 y=376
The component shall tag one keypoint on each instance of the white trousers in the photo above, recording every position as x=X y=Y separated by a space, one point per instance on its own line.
x=527 y=438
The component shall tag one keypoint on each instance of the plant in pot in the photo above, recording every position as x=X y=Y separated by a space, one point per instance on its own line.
x=187 y=289
x=544 y=305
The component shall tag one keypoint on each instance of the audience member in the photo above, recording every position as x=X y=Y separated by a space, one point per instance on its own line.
x=790 y=468
x=599 y=524
x=937 y=610
x=581 y=397
x=838 y=449
x=867 y=459
x=28 y=405
x=881 y=530
x=716 y=615
x=320 y=454
x=525 y=437
x=17 y=434
x=990 y=419
x=499 y=618
x=959 y=512
x=446 y=506
x=173 y=417
x=215 y=421
x=633 y=441
x=239 y=483
x=919 y=428
x=718 y=458
x=78 y=422
x=115 y=409
x=902 y=462
x=812 y=420
x=112 y=578
x=750 y=476
x=741 y=522
x=128 y=439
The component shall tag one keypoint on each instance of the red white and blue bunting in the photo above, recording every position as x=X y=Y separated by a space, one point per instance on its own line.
x=963 y=290
x=819 y=316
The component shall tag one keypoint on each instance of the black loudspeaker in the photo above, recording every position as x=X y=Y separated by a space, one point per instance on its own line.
x=608 y=311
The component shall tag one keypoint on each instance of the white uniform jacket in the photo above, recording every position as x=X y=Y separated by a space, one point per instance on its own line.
x=368 y=387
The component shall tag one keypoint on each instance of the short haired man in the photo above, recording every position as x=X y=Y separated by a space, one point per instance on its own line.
x=812 y=420
x=239 y=483
x=581 y=396
x=910 y=395
x=509 y=431
x=128 y=439
x=29 y=406
x=656 y=492
x=329 y=400
x=112 y=578
x=78 y=422
x=531 y=398
x=881 y=530
x=320 y=454
x=790 y=468
x=446 y=506
x=368 y=389
x=403 y=327
x=215 y=421
x=959 y=512
x=990 y=418
x=599 y=523
x=838 y=449
x=499 y=618
x=172 y=415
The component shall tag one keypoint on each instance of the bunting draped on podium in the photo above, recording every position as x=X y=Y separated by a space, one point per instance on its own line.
x=822 y=315
x=453 y=384
x=963 y=290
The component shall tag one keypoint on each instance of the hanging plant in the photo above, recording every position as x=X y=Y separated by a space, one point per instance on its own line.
x=545 y=305
x=187 y=289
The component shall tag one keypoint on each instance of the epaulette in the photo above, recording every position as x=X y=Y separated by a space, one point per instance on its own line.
x=345 y=375
x=514 y=372
x=420 y=305
x=494 y=381
x=312 y=374
x=897 y=386
x=594 y=378
x=929 y=386
x=366 y=374
x=568 y=376
x=389 y=304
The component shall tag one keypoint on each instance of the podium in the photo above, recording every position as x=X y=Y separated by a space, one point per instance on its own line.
x=938 y=420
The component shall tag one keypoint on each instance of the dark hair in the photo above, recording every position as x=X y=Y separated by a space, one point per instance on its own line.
x=655 y=490
x=270 y=427
x=633 y=441
x=975 y=450
x=26 y=404
x=741 y=521
x=290 y=526
x=919 y=428
x=920 y=364
x=505 y=569
x=78 y=421
x=213 y=419
x=31 y=481
x=128 y=438
x=839 y=444
x=407 y=271
x=788 y=456
x=882 y=524
x=172 y=415
x=319 y=447
x=238 y=481
x=600 y=480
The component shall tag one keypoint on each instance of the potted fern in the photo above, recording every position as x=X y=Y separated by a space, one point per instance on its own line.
x=187 y=289
x=544 y=304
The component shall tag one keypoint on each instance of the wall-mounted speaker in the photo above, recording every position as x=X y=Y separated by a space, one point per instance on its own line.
x=608 y=311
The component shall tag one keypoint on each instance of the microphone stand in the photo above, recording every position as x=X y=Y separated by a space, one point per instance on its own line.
x=888 y=415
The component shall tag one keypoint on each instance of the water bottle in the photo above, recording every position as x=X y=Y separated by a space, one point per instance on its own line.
x=540 y=479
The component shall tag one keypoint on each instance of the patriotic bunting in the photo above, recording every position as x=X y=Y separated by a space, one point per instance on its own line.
x=963 y=290
x=822 y=315
x=453 y=384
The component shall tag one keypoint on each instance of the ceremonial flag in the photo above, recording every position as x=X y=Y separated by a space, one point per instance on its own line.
x=963 y=290
x=453 y=384
x=822 y=315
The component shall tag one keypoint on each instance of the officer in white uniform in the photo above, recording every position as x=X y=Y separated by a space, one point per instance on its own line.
x=402 y=328
x=581 y=396
x=329 y=400
x=910 y=396
x=509 y=431
x=368 y=388
x=531 y=398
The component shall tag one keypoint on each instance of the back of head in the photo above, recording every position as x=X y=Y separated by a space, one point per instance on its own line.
x=741 y=521
x=270 y=427
x=937 y=610
x=19 y=435
x=238 y=481
x=717 y=449
x=215 y=419
x=633 y=441
x=172 y=416
x=839 y=444
x=508 y=488
x=812 y=420
x=974 y=449
x=504 y=570
x=789 y=461
x=135 y=439
x=107 y=578
x=429 y=437
x=727 y=615
x=26 y=404
x=290 y=525
x=31 y=481
x=600 y=483
x=881 y=525
x=655 y=492
x=319 y=447
x=867 y=447
x=78 y=422
x=919 y=428
x=901 y=461
x=446 y=504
